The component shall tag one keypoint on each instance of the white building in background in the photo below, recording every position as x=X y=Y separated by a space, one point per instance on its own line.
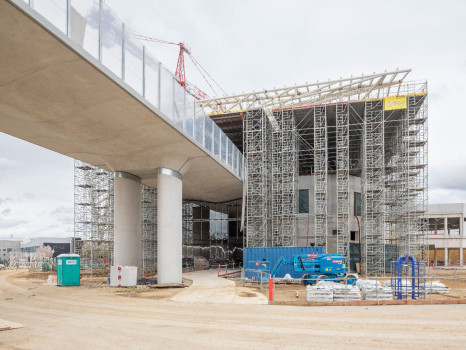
x=7 y=247
x=446 y=233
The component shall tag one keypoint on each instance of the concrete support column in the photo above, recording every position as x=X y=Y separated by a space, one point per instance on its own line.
x=445 y=226
x=169 y=226
x=127 y=222
x=446 y=257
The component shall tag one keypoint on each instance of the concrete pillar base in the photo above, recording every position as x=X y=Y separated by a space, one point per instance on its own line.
x=127 y=222
x=169 y=226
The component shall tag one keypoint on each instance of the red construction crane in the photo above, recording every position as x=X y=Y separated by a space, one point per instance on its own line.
x=180 y=73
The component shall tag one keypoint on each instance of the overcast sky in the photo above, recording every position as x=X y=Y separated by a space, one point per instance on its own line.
x=253 y=44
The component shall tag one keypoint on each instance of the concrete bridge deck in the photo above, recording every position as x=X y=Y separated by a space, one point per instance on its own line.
x=57 y=95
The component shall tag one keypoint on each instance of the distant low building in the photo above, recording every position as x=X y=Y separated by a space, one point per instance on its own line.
x=59 y=245
x=446 y=233
x=7 y=247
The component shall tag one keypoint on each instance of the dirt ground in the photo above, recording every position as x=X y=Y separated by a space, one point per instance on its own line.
x=95 y=316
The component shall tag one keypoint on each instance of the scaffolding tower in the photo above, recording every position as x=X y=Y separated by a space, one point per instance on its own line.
x=343 y=205
x=373 y=190
x=149 y=228
x=284 y=179
x=93 y=212
x=320 y=175
x=414 y=240
x=256 y=183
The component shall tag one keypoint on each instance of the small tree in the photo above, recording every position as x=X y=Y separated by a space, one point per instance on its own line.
x=44 y=252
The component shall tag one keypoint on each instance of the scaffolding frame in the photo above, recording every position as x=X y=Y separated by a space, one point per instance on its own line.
x=373 y=189
x=149 y=227
x=256 y=178
x=284 y=179
x=320 y=175
x=93 y=212
x=386 y=148
x=343 y=205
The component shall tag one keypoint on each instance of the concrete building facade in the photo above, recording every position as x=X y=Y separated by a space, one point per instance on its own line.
x=306 y=227
x=7 y=247
x=446 y=238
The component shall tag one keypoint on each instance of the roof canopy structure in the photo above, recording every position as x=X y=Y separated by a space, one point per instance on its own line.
x=360 y=88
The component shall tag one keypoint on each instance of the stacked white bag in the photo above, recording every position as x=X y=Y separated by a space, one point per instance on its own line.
x=436 y=287
x=347 y=293
x=316 y=293
x=372 y=290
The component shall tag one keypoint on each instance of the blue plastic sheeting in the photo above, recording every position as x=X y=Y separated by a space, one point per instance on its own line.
x=254 y=256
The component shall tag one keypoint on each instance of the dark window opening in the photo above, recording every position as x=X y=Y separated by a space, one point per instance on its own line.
x=303 y=201
x=357 y=203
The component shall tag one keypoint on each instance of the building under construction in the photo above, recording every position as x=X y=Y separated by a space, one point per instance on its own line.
x=332 y=163
x=338 y=164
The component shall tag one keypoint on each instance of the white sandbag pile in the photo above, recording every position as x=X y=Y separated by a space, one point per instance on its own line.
x=378 y=293
x=346 y=293
x=367 y=284
x=315 y=293
x=404 y=283
x=436 y=288
x=331 y=291
x=373 y=290
x=330 y=285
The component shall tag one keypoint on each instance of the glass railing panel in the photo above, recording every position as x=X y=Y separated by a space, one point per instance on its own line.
x=112 y=39
x=133 y=62
x=217 y=133
x=189 y=119
x=166 y=93
x=85 y=25
x=230 y=153
x=152 y=76
x=223 y=146
x=54 y=11
x=199 y=119
x=179 y=104
x=235 y=159
x=208 y=124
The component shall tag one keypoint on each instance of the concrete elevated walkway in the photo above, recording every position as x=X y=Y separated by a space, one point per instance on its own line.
x=56 y=95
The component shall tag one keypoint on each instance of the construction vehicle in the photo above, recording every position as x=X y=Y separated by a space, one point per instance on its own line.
x=316 y=267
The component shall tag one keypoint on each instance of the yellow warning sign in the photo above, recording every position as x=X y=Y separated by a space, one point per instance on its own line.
x=394 y=102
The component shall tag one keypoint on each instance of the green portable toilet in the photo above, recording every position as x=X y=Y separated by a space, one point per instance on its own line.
x=68 y=270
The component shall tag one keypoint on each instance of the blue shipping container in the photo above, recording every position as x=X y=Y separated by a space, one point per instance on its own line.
x=254 y=256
